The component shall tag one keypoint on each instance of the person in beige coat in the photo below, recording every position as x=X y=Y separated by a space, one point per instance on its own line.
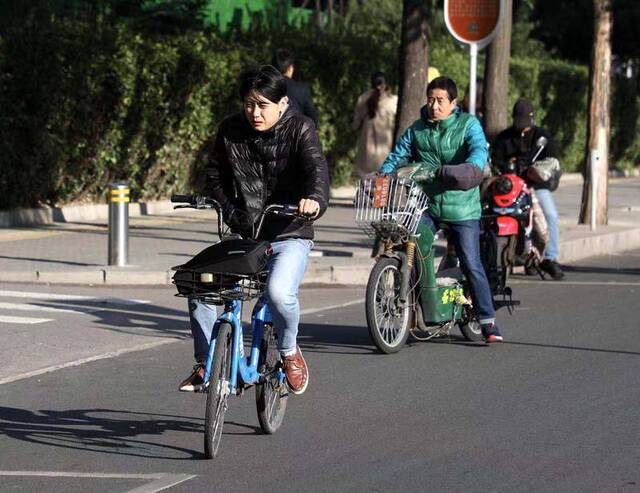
x=374 y=117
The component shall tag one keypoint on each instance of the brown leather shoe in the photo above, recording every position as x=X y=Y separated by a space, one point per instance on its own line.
x=194 y=381
x=295 y=369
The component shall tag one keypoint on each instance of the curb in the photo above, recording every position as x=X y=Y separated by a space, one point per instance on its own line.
x=77 y=213
x=317 y=275
x=93 y=212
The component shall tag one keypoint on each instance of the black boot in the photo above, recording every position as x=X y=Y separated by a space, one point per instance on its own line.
x=552 y=268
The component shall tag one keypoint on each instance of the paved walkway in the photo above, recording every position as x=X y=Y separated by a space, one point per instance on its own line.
x=76 y=252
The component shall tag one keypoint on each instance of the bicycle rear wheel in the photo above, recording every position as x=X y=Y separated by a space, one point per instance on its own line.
x=271 y=394
x=218 y=391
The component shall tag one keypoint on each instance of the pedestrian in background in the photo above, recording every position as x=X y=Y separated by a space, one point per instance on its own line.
x=297 y=92
x=374 y=117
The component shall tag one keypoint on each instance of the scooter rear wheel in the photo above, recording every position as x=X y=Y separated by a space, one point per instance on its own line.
x=387 y=320
x=470 y=326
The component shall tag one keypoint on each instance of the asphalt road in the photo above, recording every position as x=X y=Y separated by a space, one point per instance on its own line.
x=555 y=408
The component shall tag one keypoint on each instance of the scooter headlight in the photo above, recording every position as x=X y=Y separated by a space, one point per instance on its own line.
x=503 y=185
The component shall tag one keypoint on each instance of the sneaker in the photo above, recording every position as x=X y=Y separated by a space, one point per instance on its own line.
x=491 y=333
x=193 y=381
x=295 y=369
x=552 y=268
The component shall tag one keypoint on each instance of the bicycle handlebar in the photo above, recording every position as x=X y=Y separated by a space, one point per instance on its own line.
x=181 y=198
x=201 y=202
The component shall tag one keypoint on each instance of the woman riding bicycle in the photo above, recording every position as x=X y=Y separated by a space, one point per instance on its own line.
x=268 y=153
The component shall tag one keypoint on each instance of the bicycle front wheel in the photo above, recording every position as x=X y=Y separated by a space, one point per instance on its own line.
x=388 y=322
x=218 y=391
x=271 y=394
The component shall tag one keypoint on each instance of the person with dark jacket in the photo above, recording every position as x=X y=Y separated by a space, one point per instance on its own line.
x=517 y=146
x=297 y=92
x=450 y=151
x=269 y=153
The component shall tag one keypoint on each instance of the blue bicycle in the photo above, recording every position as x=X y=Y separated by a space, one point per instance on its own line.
x=229 y=273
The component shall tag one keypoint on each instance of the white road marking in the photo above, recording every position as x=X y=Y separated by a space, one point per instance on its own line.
x=70 y=297
x=576 y=283
x=142 y=347
x=159 y=481
x=37 y=308
x=23 y=320
x=111 y=354
x=331 y=307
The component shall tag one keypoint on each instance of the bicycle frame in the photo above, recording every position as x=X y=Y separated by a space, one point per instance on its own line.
x=246 y=368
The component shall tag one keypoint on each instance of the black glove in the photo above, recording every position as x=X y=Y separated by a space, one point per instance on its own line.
x=460 y=176
x=521 y=166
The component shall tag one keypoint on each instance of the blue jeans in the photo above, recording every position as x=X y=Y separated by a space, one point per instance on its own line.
x=286 y=270
x=466 y=238
x=552 y=251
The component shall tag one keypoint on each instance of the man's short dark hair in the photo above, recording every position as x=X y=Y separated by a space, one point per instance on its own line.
x=283 y=59
x=446 y=84
x=265 y=80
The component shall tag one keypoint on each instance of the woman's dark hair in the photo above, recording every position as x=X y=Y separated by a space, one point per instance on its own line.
x=378 y=84
x=446 y=84
x=283 y=59
x=265 y=80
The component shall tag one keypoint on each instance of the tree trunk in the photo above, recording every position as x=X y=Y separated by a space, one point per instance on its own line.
x=599 y=129
x=414 y=62
x=496 y=77
x=330 y=13
x=318 y=14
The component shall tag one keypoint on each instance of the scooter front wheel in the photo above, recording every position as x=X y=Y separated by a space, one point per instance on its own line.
x=388 y=319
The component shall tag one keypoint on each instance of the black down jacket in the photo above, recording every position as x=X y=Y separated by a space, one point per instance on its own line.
x=249 y=170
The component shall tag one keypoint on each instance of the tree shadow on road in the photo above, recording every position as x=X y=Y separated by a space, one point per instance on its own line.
x=115 y=432
x=573 y=348
x=335 y=339
x=49 y=261
x=602 y=270
x=126 y=316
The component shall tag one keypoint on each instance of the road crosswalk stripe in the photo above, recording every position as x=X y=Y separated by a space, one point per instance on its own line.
x=70 y=297
x=23 y=320
x=38 y=308
x=158 y=481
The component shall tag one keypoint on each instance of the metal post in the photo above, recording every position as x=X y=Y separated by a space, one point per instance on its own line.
x=118 y=224
x=473 y=69
x=593 y=169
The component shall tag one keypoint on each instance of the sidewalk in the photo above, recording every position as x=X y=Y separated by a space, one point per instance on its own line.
x=75 y=252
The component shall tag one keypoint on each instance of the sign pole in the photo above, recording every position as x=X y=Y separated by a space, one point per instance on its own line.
x=473 y=69
x=473 y=22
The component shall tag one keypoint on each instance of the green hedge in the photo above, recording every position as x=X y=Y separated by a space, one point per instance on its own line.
x=91 y=99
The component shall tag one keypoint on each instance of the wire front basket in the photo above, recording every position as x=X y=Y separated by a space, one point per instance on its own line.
x=217 y=288
x=389 y=205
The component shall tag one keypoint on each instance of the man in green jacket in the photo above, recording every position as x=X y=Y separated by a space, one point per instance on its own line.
x=450 y=149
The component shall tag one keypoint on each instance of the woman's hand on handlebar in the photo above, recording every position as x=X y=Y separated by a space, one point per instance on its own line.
x=308 y=207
